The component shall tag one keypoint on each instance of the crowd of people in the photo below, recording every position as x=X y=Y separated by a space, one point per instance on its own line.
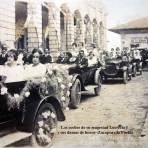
x=125 y=53
x=15 y=61
x=81 y=56
x=20 y=64
x=78 y=54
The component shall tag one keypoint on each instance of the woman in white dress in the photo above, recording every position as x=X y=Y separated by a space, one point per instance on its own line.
x=36 y=69
x=11 y=70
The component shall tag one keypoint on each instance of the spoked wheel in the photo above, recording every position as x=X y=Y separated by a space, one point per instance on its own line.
x=45 y=126
x=97 y=90
x=75 y=94
x=125 y=77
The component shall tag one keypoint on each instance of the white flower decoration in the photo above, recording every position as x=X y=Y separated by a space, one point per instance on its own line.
x=27 y=94
x=45 y=115
x=41 y=131
x=59 y=80
x=70 y=84
x=4 y=90
x=50 y=72
x=43 y=80
x=62 y=86
x=48 y=113
x=70 y=77
x=40 y=123
x=68 y=93
x=16 y=96
x=63 y=98
x=53 y=115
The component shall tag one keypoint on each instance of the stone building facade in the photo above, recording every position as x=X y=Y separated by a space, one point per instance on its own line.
x=7 y=22
x=41 y=24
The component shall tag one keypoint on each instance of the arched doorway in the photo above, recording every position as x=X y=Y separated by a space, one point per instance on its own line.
x=95 y=33
x=78 y=29
x=62 y=31
x=21 y=40
x=88 y=30
x=45 y=28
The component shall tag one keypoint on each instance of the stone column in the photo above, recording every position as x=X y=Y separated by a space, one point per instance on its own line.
x=95 y=33
x=68 y=28
x=54 y=29
x=79 y=28
x=34 y=11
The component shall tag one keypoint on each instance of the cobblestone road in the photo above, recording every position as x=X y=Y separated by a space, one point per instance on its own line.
x=120 y=105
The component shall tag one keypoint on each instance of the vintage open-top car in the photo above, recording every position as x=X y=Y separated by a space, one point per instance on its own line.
x=117 y=68
x=35 y=105
x=83 y=79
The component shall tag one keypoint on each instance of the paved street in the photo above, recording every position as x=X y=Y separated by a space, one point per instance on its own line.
x=119 y=104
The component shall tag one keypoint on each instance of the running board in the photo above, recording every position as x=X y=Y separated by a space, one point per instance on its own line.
x=88 y=88
x=13 y=138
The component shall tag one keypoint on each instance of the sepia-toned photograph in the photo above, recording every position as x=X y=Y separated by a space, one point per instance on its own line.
x=74 y=73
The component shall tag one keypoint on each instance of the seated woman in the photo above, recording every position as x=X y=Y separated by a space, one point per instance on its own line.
x=36 y=69
x=92 y=60
x=11 y=70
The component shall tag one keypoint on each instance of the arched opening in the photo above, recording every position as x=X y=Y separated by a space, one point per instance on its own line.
x=77 y=26
x=21 y=40
x=95 y=32
x=62 y=30
x=45 y=27
x=88 y=30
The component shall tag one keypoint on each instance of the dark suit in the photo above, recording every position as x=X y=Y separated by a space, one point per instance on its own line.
x=3 y=59
x=82 y=61
x=46 y=59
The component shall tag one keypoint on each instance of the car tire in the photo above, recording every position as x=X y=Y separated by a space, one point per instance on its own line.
x=44 y=126
x=125 y=77
x=75 y=94
x=97 y=90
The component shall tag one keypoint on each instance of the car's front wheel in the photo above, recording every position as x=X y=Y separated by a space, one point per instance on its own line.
x=75 y=94
x=44 y=126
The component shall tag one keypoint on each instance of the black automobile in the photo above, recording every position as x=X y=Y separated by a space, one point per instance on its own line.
x=33 y=106
x=83 y=79
x=117 y=68
x=144 y=54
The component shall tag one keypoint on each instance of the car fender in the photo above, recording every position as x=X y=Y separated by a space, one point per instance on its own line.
x=78 y=76
x=31 y=111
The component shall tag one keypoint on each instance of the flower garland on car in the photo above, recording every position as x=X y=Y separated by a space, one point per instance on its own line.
x=55 y=80
x=14 y=100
